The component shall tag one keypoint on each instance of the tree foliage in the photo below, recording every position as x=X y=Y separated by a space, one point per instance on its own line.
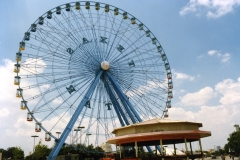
x=41 y=151
x=234 y=142
x=226 y=148
x=12 y=152
x=83 y=151
x=18 y=153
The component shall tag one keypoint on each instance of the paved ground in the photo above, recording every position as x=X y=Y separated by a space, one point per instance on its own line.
x=226 y=158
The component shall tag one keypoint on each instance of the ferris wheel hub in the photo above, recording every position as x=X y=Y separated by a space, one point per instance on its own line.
x=105 y=65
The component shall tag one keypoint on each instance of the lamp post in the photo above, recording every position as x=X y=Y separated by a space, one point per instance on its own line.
x=34 y=136
x=80 y=129
x=58 y=134
x=88 y=134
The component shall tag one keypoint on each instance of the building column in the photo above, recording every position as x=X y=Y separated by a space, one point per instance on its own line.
x=200 y=145
x=136 y=149
x=120 y=151
x=186 y=148
x=191 y=148
x=174 y=149
x=161 y=148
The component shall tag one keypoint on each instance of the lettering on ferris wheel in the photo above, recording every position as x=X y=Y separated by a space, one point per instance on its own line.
x=70 y=50
x=131 y=63
x=120 y=48
x=103 y=39
x=85 y=41
x=70 y=89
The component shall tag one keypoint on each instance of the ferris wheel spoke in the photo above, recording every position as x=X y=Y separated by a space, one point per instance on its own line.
x=112 y=28
x=63 y=33
x=104 y=112
x=102 y=33
x=66 y=33
x=72 y=28
x=60 y=119
x=72 y=77
x=151 y=99
x=143 y=101
x=49 y=44
x=52 y=42
x=113 y=42
x=44 y=50
x=48 y=109
x=140 y=92
x=59 y=106
x=118 y=39
x=76 y=20
x=141 y=55
x=48 y=58
x=50 y=74
x=123 y=48
x=133 y=51
x=48 y=91
x=97 y=46
x=86 y=24
x=54 y=36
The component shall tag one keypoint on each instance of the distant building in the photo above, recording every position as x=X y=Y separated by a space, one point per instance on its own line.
x=218 y=148
x=211 y=150
x=236 y=127
x=106 y=147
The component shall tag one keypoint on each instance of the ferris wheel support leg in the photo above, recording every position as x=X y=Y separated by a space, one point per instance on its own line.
x=125 y=105
x=117 y=106
x=117 y=111
x=123 y=96
x=74 y=118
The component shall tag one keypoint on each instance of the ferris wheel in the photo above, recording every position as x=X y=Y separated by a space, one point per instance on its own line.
x=90 y=67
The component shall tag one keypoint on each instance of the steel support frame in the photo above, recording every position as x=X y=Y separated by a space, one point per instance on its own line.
x=74 y=118
x=125 y=102
x=123 y=98
x=117 y=107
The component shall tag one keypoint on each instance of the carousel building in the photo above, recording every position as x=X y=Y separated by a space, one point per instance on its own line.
x=158 y=132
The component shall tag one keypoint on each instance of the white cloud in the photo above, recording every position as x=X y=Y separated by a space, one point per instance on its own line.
x=57 y=100
x=212 y=52
x=8 y=89
x=4 y=112
x=230 y=91
x=214 y=8
x=182 y=76
x=182 y=91
x=224 y=57
x=198 y=98
x=218 y=119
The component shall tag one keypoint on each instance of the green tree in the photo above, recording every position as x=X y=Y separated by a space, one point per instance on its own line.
x=13 y=153
x=18 y=153
x=41 y=151
x=226 y=148
x=234 y=141
x=9 y=152
x=3 y=151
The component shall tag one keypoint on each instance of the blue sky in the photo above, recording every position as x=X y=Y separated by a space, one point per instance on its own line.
x=200 y=37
